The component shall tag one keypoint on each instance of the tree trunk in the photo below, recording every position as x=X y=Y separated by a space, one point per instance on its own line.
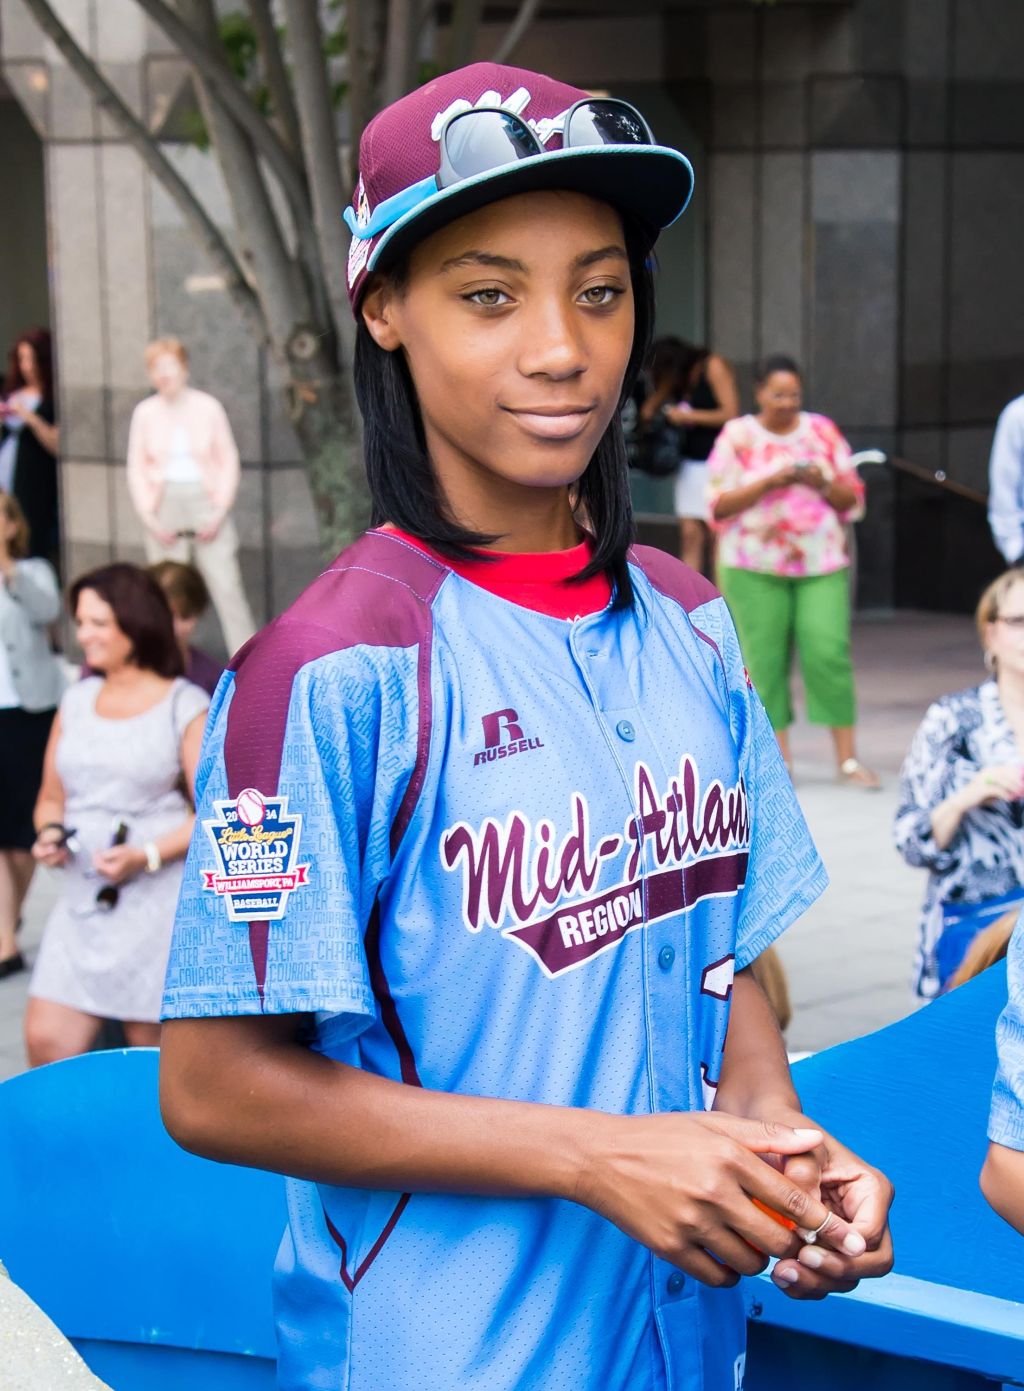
x=326 y=420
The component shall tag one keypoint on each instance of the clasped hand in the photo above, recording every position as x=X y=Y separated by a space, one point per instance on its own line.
x=51 y=848
x=119 y=862
x=683 y=1184
x=810 y=476
x=996 y=783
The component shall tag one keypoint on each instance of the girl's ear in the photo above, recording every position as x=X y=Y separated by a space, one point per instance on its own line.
x=378 y=303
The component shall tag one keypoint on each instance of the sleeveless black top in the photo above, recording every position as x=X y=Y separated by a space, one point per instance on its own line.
x=700 y=439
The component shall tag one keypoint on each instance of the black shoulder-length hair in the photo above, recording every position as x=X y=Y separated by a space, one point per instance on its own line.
x=404 y=488
x=141 y=611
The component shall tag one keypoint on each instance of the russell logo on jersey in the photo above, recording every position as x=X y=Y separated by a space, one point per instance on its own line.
x=503 y=737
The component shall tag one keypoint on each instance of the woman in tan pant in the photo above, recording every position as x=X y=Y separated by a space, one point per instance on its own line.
x=183 y=473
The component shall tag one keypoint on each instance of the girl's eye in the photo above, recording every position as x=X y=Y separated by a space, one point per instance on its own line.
x=601 y=294
x=490 y=298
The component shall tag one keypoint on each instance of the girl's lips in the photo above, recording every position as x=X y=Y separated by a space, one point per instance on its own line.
x=559 y=425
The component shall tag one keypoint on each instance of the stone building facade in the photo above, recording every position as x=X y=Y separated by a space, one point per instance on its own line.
x=860 y=205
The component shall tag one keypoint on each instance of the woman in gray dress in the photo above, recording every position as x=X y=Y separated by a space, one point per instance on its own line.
x=113 y=814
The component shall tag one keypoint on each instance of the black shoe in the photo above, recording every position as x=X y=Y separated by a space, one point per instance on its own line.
x=11 y=965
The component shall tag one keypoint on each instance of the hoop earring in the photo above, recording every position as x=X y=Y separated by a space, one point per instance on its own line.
x=991 y=665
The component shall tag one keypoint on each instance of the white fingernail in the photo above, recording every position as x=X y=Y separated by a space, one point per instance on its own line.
x=809 y=1134
x=786 y=1274
x=812 y=1256
x=854 y=1244
x=808 y=1236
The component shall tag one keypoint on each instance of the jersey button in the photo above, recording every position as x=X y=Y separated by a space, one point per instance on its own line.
x=625 y=731
x=665 y=958
x=676 y=1281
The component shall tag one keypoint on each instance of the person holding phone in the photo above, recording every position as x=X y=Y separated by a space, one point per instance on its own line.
x=30 y=439
x=696 y=390
x=781 y=490
x=113 y=815
x=492 y=828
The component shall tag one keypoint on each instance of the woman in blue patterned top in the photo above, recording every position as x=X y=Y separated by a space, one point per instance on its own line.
x=960 y=812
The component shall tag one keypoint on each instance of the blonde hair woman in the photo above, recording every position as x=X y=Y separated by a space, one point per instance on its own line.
x=961 y=806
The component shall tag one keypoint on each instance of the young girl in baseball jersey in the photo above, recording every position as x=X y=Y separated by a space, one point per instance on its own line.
x=491 y=825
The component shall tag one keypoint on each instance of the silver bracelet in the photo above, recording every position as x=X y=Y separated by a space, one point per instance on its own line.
x=154 y=860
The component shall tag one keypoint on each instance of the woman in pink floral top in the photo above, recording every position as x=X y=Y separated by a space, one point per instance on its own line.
x=780 y=490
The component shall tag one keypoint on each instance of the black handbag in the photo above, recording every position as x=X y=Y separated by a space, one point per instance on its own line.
x=655 y=447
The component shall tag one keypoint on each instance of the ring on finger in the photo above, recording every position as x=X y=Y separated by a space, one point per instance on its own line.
x=811 y=1236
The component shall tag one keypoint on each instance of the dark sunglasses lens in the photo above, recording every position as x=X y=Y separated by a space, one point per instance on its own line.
x=606 y=123
x=484 y=140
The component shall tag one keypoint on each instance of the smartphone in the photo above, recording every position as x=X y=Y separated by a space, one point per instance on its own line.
x=68 y=839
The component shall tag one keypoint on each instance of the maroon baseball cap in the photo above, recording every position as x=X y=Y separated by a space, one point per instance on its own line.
x=416 y=174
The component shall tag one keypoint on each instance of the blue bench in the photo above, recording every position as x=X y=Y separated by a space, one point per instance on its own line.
x=157 y=1265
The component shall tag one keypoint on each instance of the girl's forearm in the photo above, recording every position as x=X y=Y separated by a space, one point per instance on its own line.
x=340 y=1125
x=1002 y=1182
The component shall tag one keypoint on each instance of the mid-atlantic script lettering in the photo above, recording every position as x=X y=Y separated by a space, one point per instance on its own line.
x=520 y=871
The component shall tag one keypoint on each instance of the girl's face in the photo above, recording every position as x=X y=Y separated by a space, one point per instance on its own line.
x=779 y=398
x=517 y=326
x=104 y=644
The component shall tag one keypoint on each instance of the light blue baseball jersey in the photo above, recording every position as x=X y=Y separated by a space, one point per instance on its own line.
x=500 y=854
x=1006 y=1120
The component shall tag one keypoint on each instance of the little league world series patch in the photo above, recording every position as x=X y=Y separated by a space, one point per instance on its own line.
x=256 y=844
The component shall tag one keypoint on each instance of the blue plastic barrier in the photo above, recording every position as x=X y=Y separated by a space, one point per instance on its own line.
x=913 y=1099
x=157 y=1265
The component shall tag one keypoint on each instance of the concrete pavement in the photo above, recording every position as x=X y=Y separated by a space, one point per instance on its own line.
x=849 y=958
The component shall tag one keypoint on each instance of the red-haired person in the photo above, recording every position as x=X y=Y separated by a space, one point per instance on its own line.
x=113 y=815
x=30 y=438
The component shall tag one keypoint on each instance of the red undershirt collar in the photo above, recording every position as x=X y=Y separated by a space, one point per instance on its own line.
x=537 y=581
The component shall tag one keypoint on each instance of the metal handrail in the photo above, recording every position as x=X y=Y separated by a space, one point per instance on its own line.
x=937 y=478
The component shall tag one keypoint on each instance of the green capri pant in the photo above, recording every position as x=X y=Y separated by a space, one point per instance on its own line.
x=774 y=613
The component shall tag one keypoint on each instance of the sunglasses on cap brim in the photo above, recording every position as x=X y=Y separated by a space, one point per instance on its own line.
x=486 y=139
